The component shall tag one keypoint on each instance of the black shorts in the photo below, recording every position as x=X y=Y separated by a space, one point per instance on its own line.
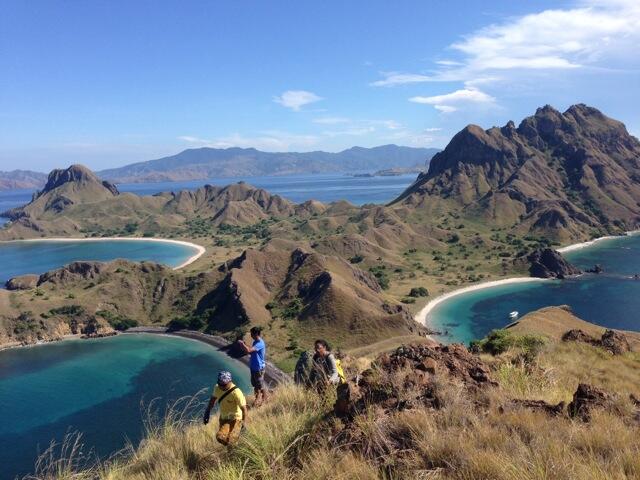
x=257 y=379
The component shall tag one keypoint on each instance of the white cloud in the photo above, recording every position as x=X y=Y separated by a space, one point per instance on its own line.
x=267 y=140
x=296 y=99
x=432 y=129
x=331 y=120
x=448 y=103
x=592 y=34
x=356 y=132
x=395 y=78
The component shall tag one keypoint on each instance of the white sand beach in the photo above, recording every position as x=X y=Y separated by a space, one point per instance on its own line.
x=199 y=248
x=580 y=246
x=421 y=316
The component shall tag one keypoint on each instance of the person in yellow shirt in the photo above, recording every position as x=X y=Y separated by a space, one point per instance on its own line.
x=233 y=409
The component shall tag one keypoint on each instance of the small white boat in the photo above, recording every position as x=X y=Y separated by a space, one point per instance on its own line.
x=513 y=315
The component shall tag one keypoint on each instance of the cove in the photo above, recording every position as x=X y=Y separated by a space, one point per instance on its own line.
x=100 y=387
x=611 y=299
x=39 y=256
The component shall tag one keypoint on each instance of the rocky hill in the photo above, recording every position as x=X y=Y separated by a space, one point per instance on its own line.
x=316 y=295
x=65 y=188
x=94 y=298
x=16 y=179
x=75 y=202
x=564 y=175
x=204 y=163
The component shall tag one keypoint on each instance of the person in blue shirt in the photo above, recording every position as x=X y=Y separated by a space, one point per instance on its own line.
x=258 y=351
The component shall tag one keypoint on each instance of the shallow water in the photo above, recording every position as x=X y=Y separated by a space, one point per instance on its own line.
x=611 y=299
x=18 y=258
x=99 y=387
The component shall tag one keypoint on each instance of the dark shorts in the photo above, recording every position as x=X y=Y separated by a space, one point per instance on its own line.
x=257 y=379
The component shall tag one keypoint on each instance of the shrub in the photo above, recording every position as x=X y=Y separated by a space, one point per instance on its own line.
x=67 y=310
x=117 y=321
x=356 y=259
x=381 y=276
x=499 y=341
x=293 y=309
x=418 y=292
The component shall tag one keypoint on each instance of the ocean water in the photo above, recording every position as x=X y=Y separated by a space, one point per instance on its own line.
x=297 y=188
x=104 y=388
x=611 y=299
x=18 y=258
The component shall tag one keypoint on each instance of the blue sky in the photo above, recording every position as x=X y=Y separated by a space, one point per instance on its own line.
x=107 y=83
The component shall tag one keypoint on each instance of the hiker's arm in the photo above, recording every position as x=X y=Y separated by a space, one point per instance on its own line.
x=207 y=412
x=333 y=370
x=246 y=347
x=245 y=410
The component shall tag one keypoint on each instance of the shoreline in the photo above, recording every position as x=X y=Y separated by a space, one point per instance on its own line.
x=200 y=250
x=590 y=243
x=272 y=373
x=421 y=316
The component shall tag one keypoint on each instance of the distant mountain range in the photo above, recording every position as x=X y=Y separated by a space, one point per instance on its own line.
x=21 y=179
x=204 y=163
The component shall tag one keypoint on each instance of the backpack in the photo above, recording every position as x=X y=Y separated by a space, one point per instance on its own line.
x=343 y=378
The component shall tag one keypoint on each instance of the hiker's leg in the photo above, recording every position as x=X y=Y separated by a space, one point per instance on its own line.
x=234 y=431
x=223 y=432
x=257 y=381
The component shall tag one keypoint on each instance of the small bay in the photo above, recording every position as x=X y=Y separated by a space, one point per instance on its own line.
x=101 y=387
x=20 y=257
x=611 y=299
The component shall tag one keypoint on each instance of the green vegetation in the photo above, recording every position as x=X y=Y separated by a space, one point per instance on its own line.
x=380 y=272
x=418 y=292
x=117 y=321
x=65 y=310
x=500 y=341
x=356 y=259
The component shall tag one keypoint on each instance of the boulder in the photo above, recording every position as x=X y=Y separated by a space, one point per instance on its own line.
x=587 y=398
x=548 y=263
x=22 y=282
x=577 y=335
x=615 y=342
x=537 y=405
x=597 y=269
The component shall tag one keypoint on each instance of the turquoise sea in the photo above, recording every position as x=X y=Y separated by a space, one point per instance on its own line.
x=102 y=388
x=18 y=258
x=611 y=299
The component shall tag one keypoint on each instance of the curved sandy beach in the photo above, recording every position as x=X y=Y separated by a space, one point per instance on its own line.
x=421 y=316
x=199 y=248
x=579 y=246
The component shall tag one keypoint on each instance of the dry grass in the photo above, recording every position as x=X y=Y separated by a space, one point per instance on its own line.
x=470 y=437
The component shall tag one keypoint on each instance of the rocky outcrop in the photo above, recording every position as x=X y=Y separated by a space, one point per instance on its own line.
x=22 y=282
x=612 y=341
x=548 y=263
x=64 y=189
x=615 y=342
x=597 y=269
x=409 y=377
x=78 y=174
x=588 y=398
